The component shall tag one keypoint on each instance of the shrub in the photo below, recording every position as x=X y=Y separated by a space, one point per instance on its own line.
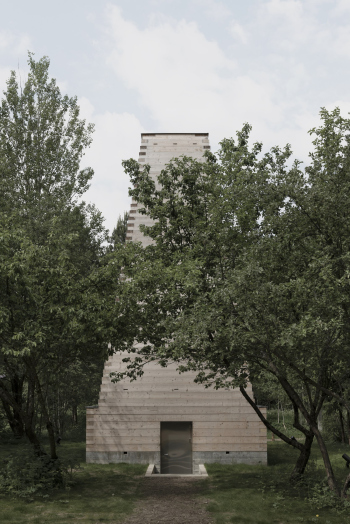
x=24 y=474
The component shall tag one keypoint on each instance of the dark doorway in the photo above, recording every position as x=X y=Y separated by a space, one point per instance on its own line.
x=176 y=447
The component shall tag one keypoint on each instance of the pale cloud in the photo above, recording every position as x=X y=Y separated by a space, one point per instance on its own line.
x=296 y=26
x=116 y=138
x=239 y=32
x=290 y=25
x=214 y=9
x=188 y=83
x=15 y=44
x=177 y=48
x=62 y=85
x=185 y=80
x=344 y=106
x=23 y=44
x=341 y=42
x=4 y=76
x=340 y=7
x=291 y=9
x=5 y=39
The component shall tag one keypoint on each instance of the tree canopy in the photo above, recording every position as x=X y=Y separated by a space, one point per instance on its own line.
x=57 y=291
x=249 y=271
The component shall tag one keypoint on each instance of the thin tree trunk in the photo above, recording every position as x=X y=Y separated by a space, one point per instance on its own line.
x=45 y=412
x=320 y=420
x=40 y=423
x=342 y=429
x=282 y=436
x=13 y=416
x=284 y=425
x=327 y=463
x=17 y=391
x=345 y=487
x=26 y=416
x=33 y=439
x=14 y=420
x=29 y=430
x=303 y=459
x=75 y=414
x=58 y=414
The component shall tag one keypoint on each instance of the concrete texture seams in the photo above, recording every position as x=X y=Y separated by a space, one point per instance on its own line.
x=173 y=500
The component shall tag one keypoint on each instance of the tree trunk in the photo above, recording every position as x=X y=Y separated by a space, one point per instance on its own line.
x=303 y=459
x=342 y=429
x=320 y=420
x=49 y=426
x=348 y=425
x=28 y=420
x=13 y=416
x=327 y=463
x=75 y=414
x=52 y=440
x=17 y=391
x=33 y=439
x=345 y=487
x=48 y=422
x=14 y=420
x=25 y=415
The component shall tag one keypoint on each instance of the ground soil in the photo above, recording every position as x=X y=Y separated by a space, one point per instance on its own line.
x=176 y=500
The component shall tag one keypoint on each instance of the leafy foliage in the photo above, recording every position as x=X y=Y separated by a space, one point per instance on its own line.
x=248 y=273
x=57 y=291
x=24 y=474
x=118 y=235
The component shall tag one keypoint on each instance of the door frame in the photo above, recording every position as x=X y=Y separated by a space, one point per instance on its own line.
x=160 y=440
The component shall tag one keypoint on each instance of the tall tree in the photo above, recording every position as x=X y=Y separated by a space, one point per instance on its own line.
x=248 y=271
x=57 y=294
x=118 y=235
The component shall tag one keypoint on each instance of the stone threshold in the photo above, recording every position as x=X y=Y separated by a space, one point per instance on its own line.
x=153 y=472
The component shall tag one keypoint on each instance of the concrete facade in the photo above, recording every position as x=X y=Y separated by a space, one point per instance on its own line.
x=125 y=427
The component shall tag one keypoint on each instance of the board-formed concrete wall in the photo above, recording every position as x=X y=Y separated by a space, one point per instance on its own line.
x=125 y=427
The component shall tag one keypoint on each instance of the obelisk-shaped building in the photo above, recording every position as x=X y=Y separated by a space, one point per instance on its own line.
x=164 y=418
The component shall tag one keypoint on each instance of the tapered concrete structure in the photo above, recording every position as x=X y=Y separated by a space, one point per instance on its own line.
x=126 y=425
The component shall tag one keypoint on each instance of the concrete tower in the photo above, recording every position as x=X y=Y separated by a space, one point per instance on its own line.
x=164 y=418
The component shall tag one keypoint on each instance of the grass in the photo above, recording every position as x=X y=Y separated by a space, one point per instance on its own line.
x=237 y=494
x=243 y=494
x=285 y=427
x=103 y=493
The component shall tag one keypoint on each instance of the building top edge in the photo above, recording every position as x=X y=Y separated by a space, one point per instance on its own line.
x=191 y=134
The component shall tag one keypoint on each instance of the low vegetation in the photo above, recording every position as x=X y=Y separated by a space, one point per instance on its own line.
x=237 y=494
x=94 y=493
x=244 y=494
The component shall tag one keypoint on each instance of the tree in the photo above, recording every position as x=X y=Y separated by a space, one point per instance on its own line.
x=118 y=235
x=248 y=271
x=57 y=291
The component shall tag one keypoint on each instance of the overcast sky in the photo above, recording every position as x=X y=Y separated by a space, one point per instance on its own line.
x=184 y=66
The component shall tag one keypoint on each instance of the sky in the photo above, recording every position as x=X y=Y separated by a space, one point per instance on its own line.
x=202 y=66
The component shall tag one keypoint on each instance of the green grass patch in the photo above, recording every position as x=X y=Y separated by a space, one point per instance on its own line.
x=100 y=493
x=285 y=424
x=242 y=494
x=236 y=494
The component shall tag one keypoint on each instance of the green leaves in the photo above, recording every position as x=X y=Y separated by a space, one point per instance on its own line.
x=249 y=269
x=57 y=288
x=42 y=141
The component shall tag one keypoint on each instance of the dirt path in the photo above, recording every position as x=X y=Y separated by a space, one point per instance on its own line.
x=172 y=500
